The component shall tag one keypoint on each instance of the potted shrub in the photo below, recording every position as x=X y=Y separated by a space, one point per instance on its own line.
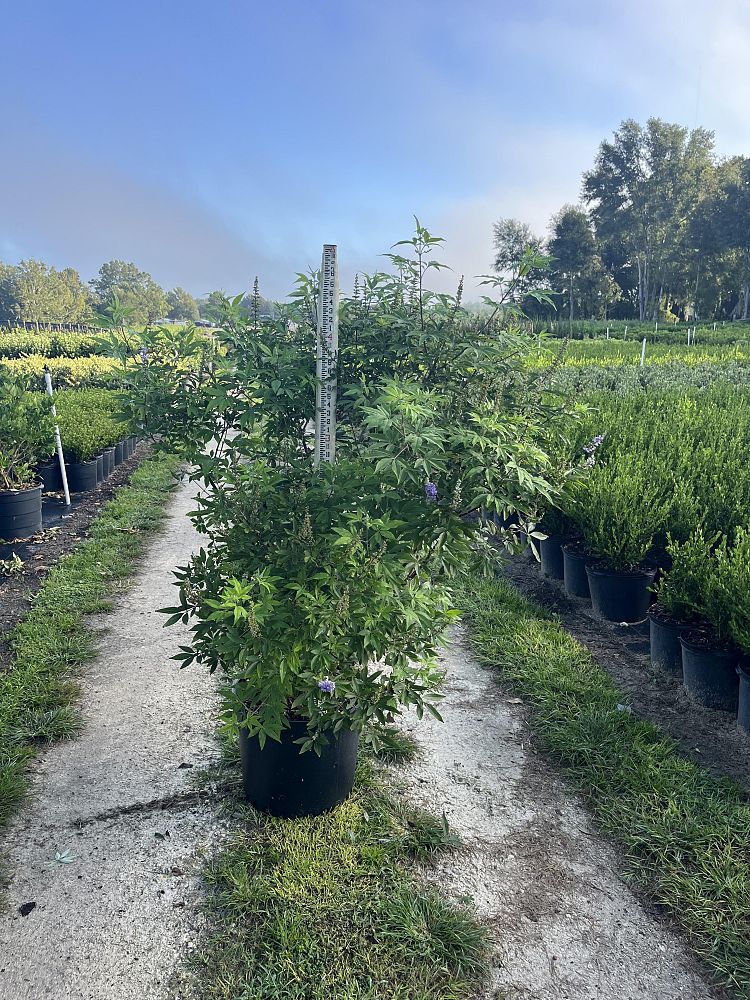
x=736 y=572
x=322 y=595
x=710 y=653
x=26 y=434
x=679 y=599
x=621 y=509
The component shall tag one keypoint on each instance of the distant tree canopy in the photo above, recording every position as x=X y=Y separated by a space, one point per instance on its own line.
x=135 y=290
x=664 y=230
x=181 y=305
x=33 y=292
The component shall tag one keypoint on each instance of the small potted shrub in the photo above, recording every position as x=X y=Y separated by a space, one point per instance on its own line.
x=710 y=656
x=679 y=600
x=621 y=510
x=26 y=434
x=82 y=443
x=737 y=575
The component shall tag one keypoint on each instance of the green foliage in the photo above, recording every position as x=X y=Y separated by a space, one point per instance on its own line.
x=15 y=343
x=682 y=590
x=181 y=305
x=34 y=292
x=66 y=372
x=26 y=431
x=684 y=834
x=340 y=575
x=89 y=421
x=134 y=289
x=621 y=508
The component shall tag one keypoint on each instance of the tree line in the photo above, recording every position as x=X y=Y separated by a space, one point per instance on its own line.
x=33 y=292
x=662 y=231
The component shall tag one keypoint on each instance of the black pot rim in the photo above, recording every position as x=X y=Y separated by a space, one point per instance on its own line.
x=620 y=573
x=87 y=462
x=723 y=651
x=21 y=491
x=576 y=549
x=673 y=626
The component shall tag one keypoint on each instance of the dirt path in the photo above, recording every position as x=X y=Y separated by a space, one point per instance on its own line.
x=112 y=917
x=564 y=925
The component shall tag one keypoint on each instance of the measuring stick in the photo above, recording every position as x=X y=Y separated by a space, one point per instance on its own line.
x=58 y=442
x=327 y=347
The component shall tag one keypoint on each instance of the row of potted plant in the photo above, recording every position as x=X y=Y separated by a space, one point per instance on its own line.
x=15 y=343
x=66 y=372
x=94 y=441
x=662 y=514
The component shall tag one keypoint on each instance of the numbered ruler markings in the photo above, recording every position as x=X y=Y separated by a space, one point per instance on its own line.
x=328 y=344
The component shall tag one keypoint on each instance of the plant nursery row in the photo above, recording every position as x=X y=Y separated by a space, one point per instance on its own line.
x=618 y=352
x=16 y=343
x=720 y=332
x=69 y=373
x=94 y=442
x=657 y=525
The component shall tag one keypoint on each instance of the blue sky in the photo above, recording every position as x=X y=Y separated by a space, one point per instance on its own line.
x=213 y=142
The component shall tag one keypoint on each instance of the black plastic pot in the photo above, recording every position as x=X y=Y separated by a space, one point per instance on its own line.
x=133 y=443
x=109 y=461
x=20 y=513
x=82 y=476
x=576 y=580
x=280 y=780
x=710 y=675
x=49 y=473
x=666 y=651
x=620 y=595
x=551 y=556
x=99 y=468
x=743 y=706
x=119 y=453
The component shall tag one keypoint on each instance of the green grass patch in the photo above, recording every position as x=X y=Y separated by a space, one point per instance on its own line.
x=38 y=691
x=686 y=835
x=327 y=908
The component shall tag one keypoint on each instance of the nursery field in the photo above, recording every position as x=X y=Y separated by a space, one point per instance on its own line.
x=458 y=441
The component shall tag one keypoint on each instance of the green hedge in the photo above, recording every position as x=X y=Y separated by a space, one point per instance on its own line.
x=88 y=422
x=65 y=372
x=18 y=343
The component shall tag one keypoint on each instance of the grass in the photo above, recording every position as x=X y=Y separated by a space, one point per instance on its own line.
x=328 y=908
x=38 y=691
x=685 y=834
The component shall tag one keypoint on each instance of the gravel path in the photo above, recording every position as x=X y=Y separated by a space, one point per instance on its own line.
x=565 y=926
x=113 y=916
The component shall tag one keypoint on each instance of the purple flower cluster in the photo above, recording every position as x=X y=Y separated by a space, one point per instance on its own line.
x=327 y=686
x=591 y=447
x=430 y=491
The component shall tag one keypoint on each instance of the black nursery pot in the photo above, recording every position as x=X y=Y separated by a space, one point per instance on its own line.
x=49 y=473
x=283 y=782
x=576 y=580
x=666 y=651
x=743 y=708
x=710 y=674
x=82 y=476
x=620 y=595
x=99 y=468
x=20 y=513
x=109 y=461
x=119 y=453
x=551 y=557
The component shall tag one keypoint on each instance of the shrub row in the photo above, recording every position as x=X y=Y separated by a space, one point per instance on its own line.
x=18 y=343
x=88 y=422
x=669 y=486
x=66 y=372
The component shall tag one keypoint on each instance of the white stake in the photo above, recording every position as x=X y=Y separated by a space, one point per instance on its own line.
x=58 y=442
x=328 y=346
x=607 y=333
x=643 y=352
x=626 y=331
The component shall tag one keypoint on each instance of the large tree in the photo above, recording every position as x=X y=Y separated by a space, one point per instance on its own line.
x=642 y=191
x=134 y=289
x=181 y=305
x=34 y=292
x=576 y=272
x=510 y=239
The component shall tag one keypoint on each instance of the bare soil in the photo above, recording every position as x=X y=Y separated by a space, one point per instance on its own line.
x=708 y=737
